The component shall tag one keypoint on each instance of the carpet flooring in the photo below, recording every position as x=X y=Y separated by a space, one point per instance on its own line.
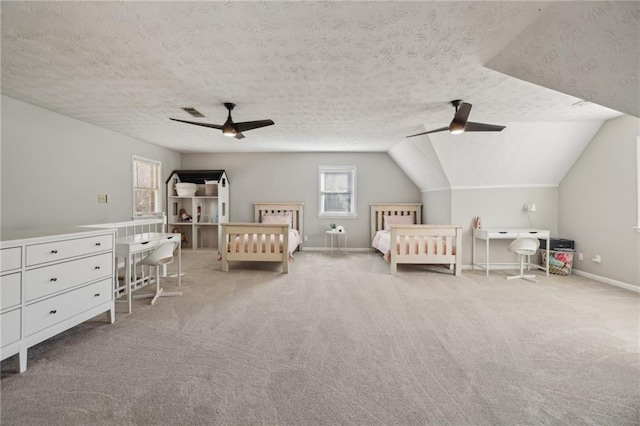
x=340 y=341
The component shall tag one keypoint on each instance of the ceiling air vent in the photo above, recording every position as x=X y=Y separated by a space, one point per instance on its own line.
x=194 y=112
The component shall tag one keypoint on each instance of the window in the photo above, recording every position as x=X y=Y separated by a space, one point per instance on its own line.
x=146 y=187
x=337 y=191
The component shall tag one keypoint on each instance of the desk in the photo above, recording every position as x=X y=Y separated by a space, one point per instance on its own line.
x=506 y=234
x=127 y=247
x=331 y=234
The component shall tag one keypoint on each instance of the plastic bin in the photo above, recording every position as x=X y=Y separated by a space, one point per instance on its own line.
x=560 y=262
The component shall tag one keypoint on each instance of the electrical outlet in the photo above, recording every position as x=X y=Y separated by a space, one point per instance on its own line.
x=306 y=238
x=580 y=256
x=102 y=198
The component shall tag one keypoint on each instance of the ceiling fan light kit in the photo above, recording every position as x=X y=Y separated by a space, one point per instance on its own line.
x=229 y=128
x=460 y=123
x=456 y=129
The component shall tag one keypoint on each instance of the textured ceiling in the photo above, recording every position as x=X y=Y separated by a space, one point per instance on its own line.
x=334 y=76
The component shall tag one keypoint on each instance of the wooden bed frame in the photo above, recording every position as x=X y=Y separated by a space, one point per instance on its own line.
x=445 y=237
x=240 y=252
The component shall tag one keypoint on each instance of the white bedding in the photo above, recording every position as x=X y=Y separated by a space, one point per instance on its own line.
x=382 y=242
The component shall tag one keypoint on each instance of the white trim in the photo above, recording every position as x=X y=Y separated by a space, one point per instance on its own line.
x=453 y=188
x=609 y=281
x=448 y=188
x=598 y=278
x=506 y=186
x=328 y=249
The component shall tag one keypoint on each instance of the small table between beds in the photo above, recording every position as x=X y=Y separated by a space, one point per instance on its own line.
x=330 y=235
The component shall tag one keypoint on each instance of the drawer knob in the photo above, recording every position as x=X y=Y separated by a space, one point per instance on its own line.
x=53 y=279
x=97 y=295
x=97 y=267
x=54 y=251
x=53 y=311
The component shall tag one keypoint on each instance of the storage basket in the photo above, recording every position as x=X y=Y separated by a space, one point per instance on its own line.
x=560 y=262
x=186 y=189
x=210 y=188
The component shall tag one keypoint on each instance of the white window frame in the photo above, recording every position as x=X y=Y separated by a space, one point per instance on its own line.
x=158 y=195
x=352 y=207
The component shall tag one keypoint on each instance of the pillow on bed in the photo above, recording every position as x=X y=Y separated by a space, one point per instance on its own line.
x=279 y=218
x=397 y=220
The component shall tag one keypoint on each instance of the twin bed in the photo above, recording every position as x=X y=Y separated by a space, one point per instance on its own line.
x=414 y=243
x=278 y=227
x=274 y=236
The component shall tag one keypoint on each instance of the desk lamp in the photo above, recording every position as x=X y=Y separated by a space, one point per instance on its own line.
x=530 y=208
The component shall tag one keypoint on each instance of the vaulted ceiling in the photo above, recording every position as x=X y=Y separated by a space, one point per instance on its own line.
x=339 y=76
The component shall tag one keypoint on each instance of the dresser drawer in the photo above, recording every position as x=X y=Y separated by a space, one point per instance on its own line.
x=10 y=258
x=10 y=290
x=49 y=312
x=66 y=249
x=61 y=276
x=10 y=327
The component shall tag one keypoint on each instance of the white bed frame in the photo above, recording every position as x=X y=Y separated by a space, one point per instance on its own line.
x=445 y=237
x=238 y=252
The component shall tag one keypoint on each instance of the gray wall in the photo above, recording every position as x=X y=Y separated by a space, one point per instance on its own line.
x=293 y=177
x=598 y=203
x=436 y=207
x=503 y=207
x=54 y=167
x=498 y=207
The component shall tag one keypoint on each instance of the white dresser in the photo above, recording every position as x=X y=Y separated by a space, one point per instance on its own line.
x=50 y=281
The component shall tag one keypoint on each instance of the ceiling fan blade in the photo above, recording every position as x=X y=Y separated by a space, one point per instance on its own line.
x=482 y=127
x=250 y=125
x=460 y=119
x=213 y=126
x=441 y=129
x=239 y=136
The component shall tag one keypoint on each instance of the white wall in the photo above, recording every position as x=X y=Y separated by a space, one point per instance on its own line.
x=598 y=202
x=280 y=177
x=54 y=167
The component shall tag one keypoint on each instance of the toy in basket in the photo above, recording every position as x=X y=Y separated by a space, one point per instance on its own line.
x=560 y=261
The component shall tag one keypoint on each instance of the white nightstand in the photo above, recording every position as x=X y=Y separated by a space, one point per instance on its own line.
x=330 y=235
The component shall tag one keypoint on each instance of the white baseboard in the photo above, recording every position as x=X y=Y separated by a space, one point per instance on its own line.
x=598 y=278
x=352 y=249
x=609 y=281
